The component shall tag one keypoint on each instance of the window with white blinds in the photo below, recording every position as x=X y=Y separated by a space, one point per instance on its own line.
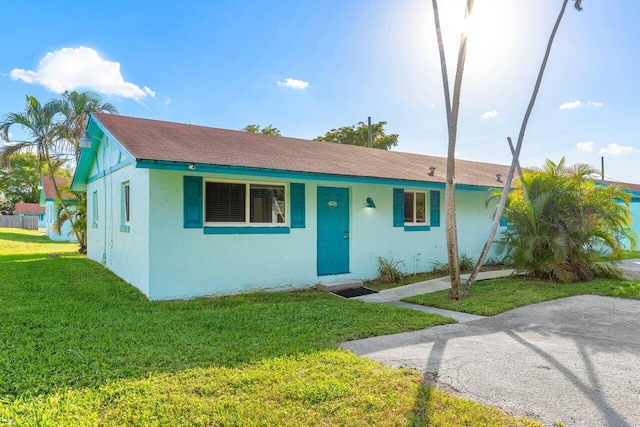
x=232 y=202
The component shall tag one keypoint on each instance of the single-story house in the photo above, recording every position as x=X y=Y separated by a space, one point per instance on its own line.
x=48 y=200
x=31 y=209
x=181 y=211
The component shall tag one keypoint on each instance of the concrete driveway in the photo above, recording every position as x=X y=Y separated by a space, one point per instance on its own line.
x=575 y=360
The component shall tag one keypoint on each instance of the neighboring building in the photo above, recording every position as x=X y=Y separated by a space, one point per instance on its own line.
x=31 y=209
x=48 y=199
x=181 y=211
x=634 y=191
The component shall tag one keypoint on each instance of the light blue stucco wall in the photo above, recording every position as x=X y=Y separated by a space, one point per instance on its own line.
x=635 y=224
x=186 y=263
x=124 y=250
x=65 y=234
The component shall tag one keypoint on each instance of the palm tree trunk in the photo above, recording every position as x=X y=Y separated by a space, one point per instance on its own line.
x=507 y=184
x=453 y=107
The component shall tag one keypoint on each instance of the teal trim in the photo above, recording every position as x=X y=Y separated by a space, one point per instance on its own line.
x=94 y=225
x=287 y=174
x=193 y=215
x=124 y=228
x=297 y=205
x=88 y=155
x=247 y=230
x=109 y=171
x=434 y=204
x=398 y=207
x=417 y=228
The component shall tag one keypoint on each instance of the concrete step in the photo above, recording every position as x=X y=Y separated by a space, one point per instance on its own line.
x=339 y=285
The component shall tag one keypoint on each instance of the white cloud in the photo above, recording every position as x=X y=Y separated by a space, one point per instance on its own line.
x=489 y=115
x=586 y=147
x=616 y=149
x=149 y=92
x=294 y=84
x=167 y=101
x=570 y=105
x=71 y=68
x=577 y=104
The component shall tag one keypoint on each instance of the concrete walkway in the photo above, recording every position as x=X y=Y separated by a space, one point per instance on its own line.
x=419 y=288
x=394 y=295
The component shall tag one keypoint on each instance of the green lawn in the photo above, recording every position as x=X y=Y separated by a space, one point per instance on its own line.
x=499 y=295
x=81 y=347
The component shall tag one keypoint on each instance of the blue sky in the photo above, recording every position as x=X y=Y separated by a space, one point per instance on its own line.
x=307 y=67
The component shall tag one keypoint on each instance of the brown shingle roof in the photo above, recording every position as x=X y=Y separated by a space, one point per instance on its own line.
x=158 y=140
x=50 y=191
x=24 y=208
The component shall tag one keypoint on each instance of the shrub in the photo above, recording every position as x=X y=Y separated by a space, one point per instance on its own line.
x=565 y=224
x=389 y=271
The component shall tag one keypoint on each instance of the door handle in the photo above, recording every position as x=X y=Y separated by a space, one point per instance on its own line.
x=346 y=237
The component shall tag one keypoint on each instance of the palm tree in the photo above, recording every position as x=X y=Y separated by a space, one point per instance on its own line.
x=39 y=122
x=76 y=107
x=561 y=230
x=577 y=4
x=452 y=108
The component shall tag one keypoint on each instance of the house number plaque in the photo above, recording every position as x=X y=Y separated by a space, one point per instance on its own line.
x=332 y=204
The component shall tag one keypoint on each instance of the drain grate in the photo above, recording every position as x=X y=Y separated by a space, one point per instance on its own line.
x=354 y=292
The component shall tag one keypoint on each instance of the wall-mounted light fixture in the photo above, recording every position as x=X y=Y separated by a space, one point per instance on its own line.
x=85 y=140
x=432 y=170
x=192 y=167
x=499 y=177
x=370 y=203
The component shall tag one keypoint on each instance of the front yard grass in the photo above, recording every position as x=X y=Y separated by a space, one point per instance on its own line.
x=81 y=347
x=491 y=297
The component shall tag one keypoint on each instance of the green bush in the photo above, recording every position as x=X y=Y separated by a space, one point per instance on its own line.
x=389 y=271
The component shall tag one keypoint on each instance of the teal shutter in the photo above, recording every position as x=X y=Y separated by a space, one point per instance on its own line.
x=503 y=221
x=398 y=207
x=297 y=206
x=434 y=201
x=193 y=202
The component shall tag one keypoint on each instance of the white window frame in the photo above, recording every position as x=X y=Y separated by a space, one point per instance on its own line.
x=247 y=201
x=126 y=204
x=415 y=202
x=94 y=212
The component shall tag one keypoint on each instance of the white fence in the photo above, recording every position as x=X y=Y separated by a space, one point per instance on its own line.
x=15 y=221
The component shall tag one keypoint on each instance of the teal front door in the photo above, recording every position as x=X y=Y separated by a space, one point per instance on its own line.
x=333 y=230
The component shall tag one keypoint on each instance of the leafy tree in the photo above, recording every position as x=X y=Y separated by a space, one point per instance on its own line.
x=566 y=223
x=39 y=122
x=359 y=135
x=267 y=130
x=55 y=128
x=19 y=180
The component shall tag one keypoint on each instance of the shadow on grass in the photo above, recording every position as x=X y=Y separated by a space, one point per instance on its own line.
x=67 y=322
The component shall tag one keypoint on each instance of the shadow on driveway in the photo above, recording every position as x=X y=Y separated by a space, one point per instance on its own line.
x=576 y=360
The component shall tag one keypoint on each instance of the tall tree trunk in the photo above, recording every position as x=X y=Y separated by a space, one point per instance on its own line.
x=453 y=107
x=516 y=154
